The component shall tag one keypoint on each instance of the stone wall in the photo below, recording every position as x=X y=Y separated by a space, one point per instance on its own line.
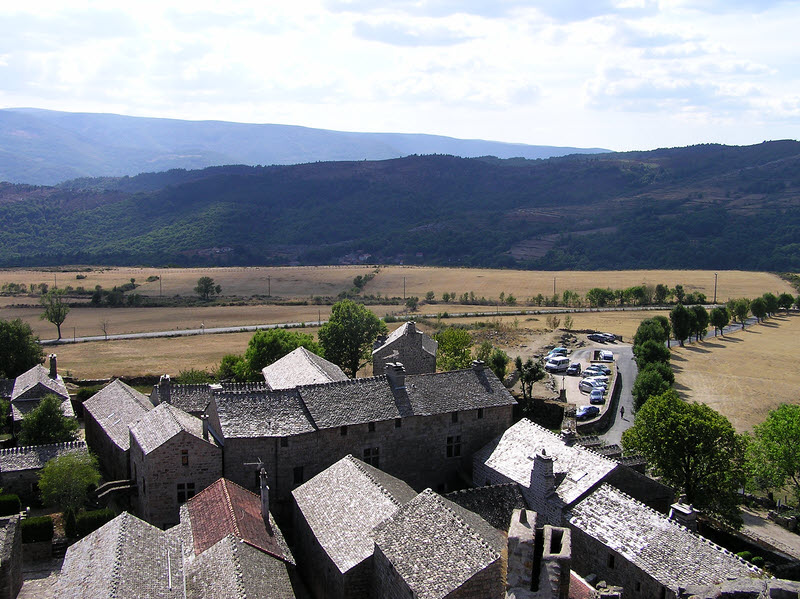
x=408 y=350
x=114 y=461
x=320 y=574
x=10 y=557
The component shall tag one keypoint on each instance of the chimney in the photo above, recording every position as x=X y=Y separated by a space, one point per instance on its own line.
x=411 y=328
x=396 y=374
x=478 y=365
x=379 y=342
x=164 y=389
x=204 y=420
x=264 y=495
x=684 y=514
x=543 y=481
x=53 y=366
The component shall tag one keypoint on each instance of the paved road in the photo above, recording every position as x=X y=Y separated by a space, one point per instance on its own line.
x=626 y=368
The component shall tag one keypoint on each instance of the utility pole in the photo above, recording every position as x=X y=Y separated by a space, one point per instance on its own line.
x=554 y=286
x=269 y=286
x=159 y=284
x=715 y=289
x=404 y=289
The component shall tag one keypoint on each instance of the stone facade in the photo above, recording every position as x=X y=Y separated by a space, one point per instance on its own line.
x=415 y=350
x=20 y=466
x=10 y=557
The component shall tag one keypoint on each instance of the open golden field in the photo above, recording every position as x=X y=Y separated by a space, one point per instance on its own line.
x=745 y=374
x=304 y=282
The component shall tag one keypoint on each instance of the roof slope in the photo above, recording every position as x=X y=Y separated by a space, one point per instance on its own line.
x=125 y=558
x=350 y=402
x=34 y=457
x=115 y=408
x=224 y=508
x=576 y=469
x=429 y=344
x=457 y=545
x=344 y=503
x=456 y=390
x=262 y=413
x=670 y=553
x=301 y=367
x=190 y=398
x=38 y=375
x=494 y=503
x=161 y=424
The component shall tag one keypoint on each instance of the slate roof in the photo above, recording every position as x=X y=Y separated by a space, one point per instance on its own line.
x=38 y=375
x=301 y=367
x=161 y=424
x=21 y=408
x=576 y=469
x=189 y=398
x=467 y=389
x=231 y=569
x=494 y=503
x=115 y=408
x=126 y=558
x=34 y=457
x=436 y=546
x=349 y=402
x=224 y=508
x=344 y=503
x=262 y=414
x=670 y=553
x=428 y=343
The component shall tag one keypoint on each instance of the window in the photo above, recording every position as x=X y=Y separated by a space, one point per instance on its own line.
x=185 y=457
x=284 y=442
x=343 y=431
x=480 y=413
x=371 y=427
x=638 y=586
x=144 y=487
x=372 y=456
x=454 y=446
x=611 y=561
x=454 y=417
x=185 y=492
x=398 y=422
x=298 y=475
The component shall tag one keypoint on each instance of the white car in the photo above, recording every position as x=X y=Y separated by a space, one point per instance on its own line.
x=589 y=384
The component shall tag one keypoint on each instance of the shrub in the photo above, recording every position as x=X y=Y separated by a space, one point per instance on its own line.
x=70 y=524
x=757 y=561
x=9 y=504
x=90 y=521
x=745 y=555
x=390 y=318
x=37 y=529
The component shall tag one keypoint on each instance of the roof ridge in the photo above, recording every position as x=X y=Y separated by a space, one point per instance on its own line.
x=342 y=383
x=577 y=447
x=237 y=567
x=134 y=395
x=230 y=509
x=30 y=448
x=117 y=563
x=359 y=465
x=473 y=533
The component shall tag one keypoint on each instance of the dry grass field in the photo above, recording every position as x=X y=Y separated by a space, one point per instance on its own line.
x=745 y=374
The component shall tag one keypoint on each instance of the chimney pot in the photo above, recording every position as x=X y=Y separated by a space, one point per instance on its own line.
x=53 y=366
x=164 y=389
x=396 y=374
x=204 y=420
x=478 y=365
x=412 y=327
x=264 y=494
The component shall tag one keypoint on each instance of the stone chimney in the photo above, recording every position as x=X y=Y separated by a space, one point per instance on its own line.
x=164 y=389
x=521 y=550
x=411 y=328
x=204 y=420
x=264 y=495
x=379 y=342
x=53 y=366
x=684 y=514
x=396 y=374
x=543 y=480
x=478 y=365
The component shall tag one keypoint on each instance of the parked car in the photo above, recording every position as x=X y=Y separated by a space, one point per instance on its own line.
x=586 y=412
x=606 y=356
x=557 y=364
x=589 y=384
x=574 y=369
x=557 y=351
x=593 y=370
x=601 y=368
x=609 y=337
x=597 y=396
x=599 y=337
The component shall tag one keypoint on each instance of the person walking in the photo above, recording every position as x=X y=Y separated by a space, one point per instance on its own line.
x=622 y=412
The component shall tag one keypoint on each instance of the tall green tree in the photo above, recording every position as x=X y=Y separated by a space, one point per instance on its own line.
x=47 y=424
x=498 y=362
x=785 y=301
x=700 y=321
x=66 y=481
x=650 y=329
x=454 y=348
x=771 y=302
x=660 y=294
x=665 y=324
x=206 y=287
x=19 y=348
x=693 y=449
x=55 y=308
x=740 y=309
x=774 y=453
x=759 y=308
x=681 y=321
x=719 y=317
x=347 y=337
x=648 y=383
x=650 y=351
x=269 y=345
x=529 y=373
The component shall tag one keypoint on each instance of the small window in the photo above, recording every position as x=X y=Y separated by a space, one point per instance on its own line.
x=343 y=431
x=638 y=586
x=181 y=492
x=185 y=457
x=480 y=413
x=144 y=487
x=371 y=427
x=372 y=456
x=454 y=446
x=398 y=422
x=611 y=561
x=284 y=442
x=298 y=475
x=454 y=417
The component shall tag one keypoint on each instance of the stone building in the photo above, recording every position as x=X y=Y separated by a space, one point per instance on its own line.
x=172 y=459
x=420 y=428
x=627 y=544
x=554 y=474
x=301 y=367
x=415 y=350
x=32 y=386
x=334 y=517
x=192 y=399
x=10 y=557
x=20 y=466
x=108 y=416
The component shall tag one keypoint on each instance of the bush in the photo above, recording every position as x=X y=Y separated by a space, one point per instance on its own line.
x=70 y=524
x=37 y=529
x=745 y=555
x=9 y=504
x=757 y=561
x=88 y=522
x=85 y=393
x=390 y=318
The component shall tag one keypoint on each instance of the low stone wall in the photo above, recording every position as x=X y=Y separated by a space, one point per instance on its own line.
x=606 y=419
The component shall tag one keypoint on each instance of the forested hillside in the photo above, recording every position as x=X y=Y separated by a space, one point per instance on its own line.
x=704 y=206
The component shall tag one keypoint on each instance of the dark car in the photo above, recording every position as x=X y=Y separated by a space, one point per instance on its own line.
x=574 y=368
x=586 y=412
x=599 y=337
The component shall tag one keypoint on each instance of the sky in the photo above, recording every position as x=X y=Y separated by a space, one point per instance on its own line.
x=615 y=74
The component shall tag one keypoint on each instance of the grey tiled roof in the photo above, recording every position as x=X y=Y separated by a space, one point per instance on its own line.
x=38 y=375
x=234 y=570
x=126 y=558
x=6 y=388
x=190 y=398
x=494 y=503
x=115 y=408
x=21 y=408
x=344 y=503
x=577 y=469
x=301 y=367
x=34 y=457
x=434 y=548
x=262 y=414
x=468 y=389
x=350 y=402
x=670 y=553
x=161 y=424
x=429 y=344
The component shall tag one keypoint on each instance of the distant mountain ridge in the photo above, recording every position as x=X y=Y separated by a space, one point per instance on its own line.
x=43 y=147
x=708 y=206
